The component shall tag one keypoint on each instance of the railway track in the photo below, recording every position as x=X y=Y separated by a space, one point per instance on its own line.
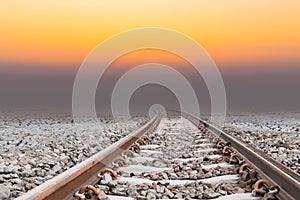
x=174 y=158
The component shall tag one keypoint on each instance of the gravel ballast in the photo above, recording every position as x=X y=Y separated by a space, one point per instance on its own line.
x=35 y=149
x=276 y=134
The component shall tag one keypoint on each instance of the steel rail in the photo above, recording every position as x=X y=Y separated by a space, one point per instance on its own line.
x=267 y=167
x=66 y=184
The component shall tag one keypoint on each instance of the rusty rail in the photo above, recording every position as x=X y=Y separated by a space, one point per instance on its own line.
x=66 y=184
x=287 y=180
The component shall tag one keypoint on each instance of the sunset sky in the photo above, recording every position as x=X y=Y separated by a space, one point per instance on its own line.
x=242 y=37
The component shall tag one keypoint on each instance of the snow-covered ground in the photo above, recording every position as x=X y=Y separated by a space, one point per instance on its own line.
x=277 y=134
x=34 y=149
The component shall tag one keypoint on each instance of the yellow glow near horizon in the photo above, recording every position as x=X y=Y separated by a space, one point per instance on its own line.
x=233 y=32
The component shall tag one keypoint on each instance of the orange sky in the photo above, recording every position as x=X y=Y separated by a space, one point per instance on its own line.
x=140 y=57
x=235 y=33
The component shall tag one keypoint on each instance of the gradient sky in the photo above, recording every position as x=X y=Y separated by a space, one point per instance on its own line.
x=233 y=32
x=250 y=38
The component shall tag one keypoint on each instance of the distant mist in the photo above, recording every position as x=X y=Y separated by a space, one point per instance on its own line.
x=275 y=89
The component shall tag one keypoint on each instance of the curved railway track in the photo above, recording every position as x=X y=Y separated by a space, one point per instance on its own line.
x=179 y=159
